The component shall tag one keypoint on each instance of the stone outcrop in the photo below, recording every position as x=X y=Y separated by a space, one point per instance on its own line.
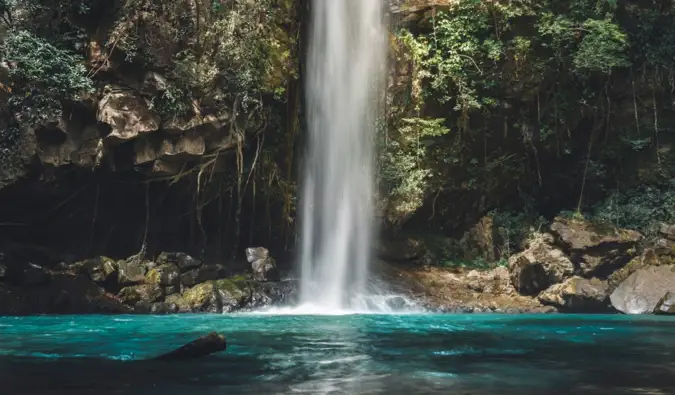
x=598 y=249
x=578 y=295
x=539 y=267
x=642 y=291
x=172 y=283
x=262 y=264
x=127 y=114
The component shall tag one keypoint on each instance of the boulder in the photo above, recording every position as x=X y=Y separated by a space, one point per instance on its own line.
x=264 y=266
x=132 y=271
x=642 y=291
x=99 y=269
x=598 y=248
x=182 y=260
x=127 y=113
x=147 y=293
x=178 y=303
x=649 y=257
x=578 y=295
x=666 y=305
x=166 y=275
x=203 y=274
x=218 y=296
x=539 y=267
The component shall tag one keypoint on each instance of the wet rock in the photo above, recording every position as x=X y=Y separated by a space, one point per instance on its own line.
x=163 y=308
x=182 y=260
x=178 y=303
x=264 y=266
x=642 y=291
x=666 y=305
x=3 y=271
x=127 y=114
x=539 y=267
x=99 y=269
x=132 y=271
x=599 y=248
x=146 y=293
x=165 y=275
x=203 y=274
x=218 y=296
x=282 y=292
x=578 y=295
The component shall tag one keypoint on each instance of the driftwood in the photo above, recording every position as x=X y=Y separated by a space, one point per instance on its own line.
x=205 y=345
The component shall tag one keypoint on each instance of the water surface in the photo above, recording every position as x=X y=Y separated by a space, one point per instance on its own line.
x=349 y=354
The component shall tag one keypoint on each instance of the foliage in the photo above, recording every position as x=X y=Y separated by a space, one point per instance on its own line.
x=641 y=208
x=544 y=99
x=41 y=77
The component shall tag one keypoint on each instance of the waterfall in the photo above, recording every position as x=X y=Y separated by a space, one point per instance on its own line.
x=345 y=65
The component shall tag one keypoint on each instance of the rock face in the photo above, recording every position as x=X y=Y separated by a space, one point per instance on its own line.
x=598 y=249
x=127 y=114
x=642 y=291
x=539 y=267
x=578 y=295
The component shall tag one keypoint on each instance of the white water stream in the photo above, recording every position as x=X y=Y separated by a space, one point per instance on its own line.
x=346 y=60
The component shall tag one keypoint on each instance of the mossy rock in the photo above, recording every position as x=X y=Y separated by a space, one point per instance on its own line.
x=164 y=275
x=182 y=305
x=146 y=293
x=219 y=295
x=99 y=269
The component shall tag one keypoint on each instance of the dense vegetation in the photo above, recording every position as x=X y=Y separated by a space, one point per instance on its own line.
x=520 y=109
x=532 y=107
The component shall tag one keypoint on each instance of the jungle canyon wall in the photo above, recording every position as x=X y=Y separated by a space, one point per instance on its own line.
x=186 y=117
x=146 y=126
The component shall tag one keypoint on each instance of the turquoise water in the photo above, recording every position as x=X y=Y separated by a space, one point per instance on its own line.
x=351 y=354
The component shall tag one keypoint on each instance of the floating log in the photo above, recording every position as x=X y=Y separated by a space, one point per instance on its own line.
x=205 y=345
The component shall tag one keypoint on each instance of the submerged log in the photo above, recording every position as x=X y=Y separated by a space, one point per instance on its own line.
x=205 y=345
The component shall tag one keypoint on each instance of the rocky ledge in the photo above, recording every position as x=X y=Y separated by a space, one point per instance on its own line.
x=576 y=266
x=173 y=282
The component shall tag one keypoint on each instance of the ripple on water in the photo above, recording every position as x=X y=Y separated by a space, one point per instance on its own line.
x=349 y=354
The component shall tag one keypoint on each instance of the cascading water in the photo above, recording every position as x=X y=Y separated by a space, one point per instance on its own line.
x=346 y=56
